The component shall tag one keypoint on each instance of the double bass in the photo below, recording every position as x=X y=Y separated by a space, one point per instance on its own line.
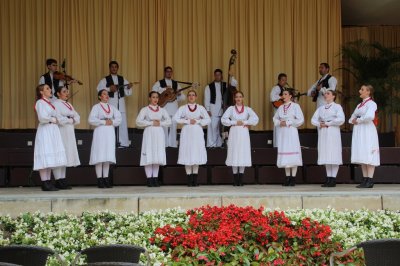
x=230 y=94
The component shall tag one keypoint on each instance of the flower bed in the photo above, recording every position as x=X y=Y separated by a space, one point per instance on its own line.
x=68 y=233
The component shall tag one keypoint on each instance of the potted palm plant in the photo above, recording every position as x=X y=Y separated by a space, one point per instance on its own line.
x=379 y=66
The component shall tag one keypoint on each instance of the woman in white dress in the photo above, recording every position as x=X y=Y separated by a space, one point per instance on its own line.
x=192 y=146
x=328 y=118
x=365 y=143
x=67 y=118
x=239 y=118
x=287 y=119
x=153 y=118
x=104 y=117
x=49 y=150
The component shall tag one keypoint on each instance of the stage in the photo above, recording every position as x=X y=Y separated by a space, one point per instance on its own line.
x=136 y=199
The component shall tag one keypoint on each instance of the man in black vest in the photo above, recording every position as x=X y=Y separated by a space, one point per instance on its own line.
x=215 y=99
x=118 y=87
x=171 y=107
x=48 y=79
x=319 y=88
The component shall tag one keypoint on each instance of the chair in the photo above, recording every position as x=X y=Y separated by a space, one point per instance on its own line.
x=113 y=255
x=381 y=252
x=25 y=255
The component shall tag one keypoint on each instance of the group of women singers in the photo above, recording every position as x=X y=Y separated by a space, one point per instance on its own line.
x=55 y=144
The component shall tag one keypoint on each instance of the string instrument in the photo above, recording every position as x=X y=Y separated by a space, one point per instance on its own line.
x=230 y=89
x=118 y=87
x=170 y=95
x=279 y=102
x=72 y=95
x=62 y=76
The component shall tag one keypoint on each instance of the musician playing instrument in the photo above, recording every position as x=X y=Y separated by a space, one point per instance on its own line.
x=326 y=81
x=48 y=78
x=55 y=79
x=118 y=87
x=276 y=98
x=171 y=107
x=214 y=96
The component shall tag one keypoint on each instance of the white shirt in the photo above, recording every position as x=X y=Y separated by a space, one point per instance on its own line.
x=216 y=109
x=332 y=86
x=114 y=101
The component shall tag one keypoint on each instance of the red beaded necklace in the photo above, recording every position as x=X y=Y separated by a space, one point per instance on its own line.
x=286 y=108
x=49 y=103
x=68 y=105
x=154 y=110
x=364 y=102
x=192 y=110
x=106 y=111
x=239 y=111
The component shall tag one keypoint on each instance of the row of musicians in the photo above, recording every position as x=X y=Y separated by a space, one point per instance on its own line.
x=216 y=97
x=55 y=144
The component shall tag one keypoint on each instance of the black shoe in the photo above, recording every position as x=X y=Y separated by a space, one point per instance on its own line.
x=292 y=181
x=240 y=179
x=332 y=182
x=48 y=186
x=194 y=180
x=100 y=182
x=287 y=182
x=189 y=180
x=107 y=183
x=155 y=182
x=328 y=180
x=149 y=182
x=362 y=185
x=235 y=180
x=62 y=184
x=369 y=183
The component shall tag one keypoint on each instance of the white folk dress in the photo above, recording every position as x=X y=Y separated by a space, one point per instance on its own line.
x=329 y=138
x=192 y=147
x=153 y=143
x=103 y=143
x=289 y=150
x=49 y=149
x=365 y=143
x=68 y=118
x=239 y=148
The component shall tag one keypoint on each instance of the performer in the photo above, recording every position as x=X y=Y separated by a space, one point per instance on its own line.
x=49 y=150
x=326 y=81
x=67 y=119
x=276 y=95
x=171 y=107
x=287 y=119
x=365 y=143
x=48 y=79
x=104 y=117
x=153 y=118
x=328 y=119
x=192 y=148
x=118 y=88
x=214 y=95
x=239 y=118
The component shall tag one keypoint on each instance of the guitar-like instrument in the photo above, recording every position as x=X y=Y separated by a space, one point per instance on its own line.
x=279 y=102
x=170 y=95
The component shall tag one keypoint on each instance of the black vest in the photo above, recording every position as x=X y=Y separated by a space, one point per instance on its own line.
x=214 y=93
x=163 y=84
x=325 y=82
x=110 y=82
x=282 y=89
x=52 y=84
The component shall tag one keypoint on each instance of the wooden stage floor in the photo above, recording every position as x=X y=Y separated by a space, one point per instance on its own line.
x=16 y=200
